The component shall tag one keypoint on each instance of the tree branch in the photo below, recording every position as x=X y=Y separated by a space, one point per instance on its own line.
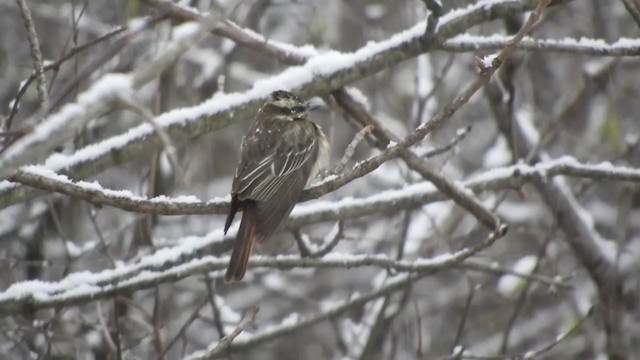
x=225 y=343
x=173 y=264
x=36 y=55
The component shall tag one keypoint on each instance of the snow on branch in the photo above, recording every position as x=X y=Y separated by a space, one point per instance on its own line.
x=174 y=263
x=419 y=194
x=595 y=47
x=411 y=196
x=320 y=74
x=59 y=127
x=45 y=179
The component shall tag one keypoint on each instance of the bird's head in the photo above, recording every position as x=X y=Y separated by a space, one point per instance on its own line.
x=286 y=106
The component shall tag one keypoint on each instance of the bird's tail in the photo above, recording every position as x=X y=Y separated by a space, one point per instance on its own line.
x=243 y=246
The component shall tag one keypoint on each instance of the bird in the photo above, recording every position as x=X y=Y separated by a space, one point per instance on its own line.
x=281 y=153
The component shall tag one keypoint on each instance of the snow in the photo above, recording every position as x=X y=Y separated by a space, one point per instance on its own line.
x=303 y=52
x=487 y=61
x=170 y=264
x=375 y=11
x=519 y=212
x=409 y=191
x=359 y=97
x=291 y=319
x=463 y=131
x=511 y=285
x=423 y=76
x=92 y=187
x=418 y=192
x=29 y=147
x=227 y=314
x=72 y=249
x=608 y=248
x=422 y=223
x=85 y=283
x=326 y=64
x=497 y=155
x=185 y=30
x=457 y=350
x=622 y=46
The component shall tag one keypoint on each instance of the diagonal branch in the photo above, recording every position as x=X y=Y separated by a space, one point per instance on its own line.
x=633 y=10
x=225 y=342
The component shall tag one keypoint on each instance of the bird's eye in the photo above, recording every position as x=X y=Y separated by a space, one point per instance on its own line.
x=297 y=109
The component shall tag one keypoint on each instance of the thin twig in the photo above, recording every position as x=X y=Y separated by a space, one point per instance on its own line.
x=332 y=239
x=36 y=55
x=522 y=297
x=105 y=329
x=226 y=341
x=460 y=135
x=464 y=316
x=350 y=150
x=435 y=11
x=400 y=148
x=169 y=148
x=632 y=9
x=56 y=66
x=215 y=308
x=194 y=315
x=560 y=338
x=461 y=353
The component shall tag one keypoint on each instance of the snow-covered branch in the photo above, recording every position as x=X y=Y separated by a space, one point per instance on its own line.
x=59 y=127
x=586 y=46
x=170 y=265
x=393 y=200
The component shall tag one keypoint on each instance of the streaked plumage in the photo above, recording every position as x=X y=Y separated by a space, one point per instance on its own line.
x=280 y=154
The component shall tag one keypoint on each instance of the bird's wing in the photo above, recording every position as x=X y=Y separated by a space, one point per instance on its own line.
x=264 y=172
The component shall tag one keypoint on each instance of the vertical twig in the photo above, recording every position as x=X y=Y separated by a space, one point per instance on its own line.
x=36 y=55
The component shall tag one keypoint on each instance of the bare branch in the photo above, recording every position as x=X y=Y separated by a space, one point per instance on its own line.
x=350 y=150
x=226 y=341
x=56 y=66
x=632 y=9
x=36 y=55
x=435 y=11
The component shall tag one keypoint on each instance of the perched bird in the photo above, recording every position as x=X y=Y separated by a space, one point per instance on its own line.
x=281 y=154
